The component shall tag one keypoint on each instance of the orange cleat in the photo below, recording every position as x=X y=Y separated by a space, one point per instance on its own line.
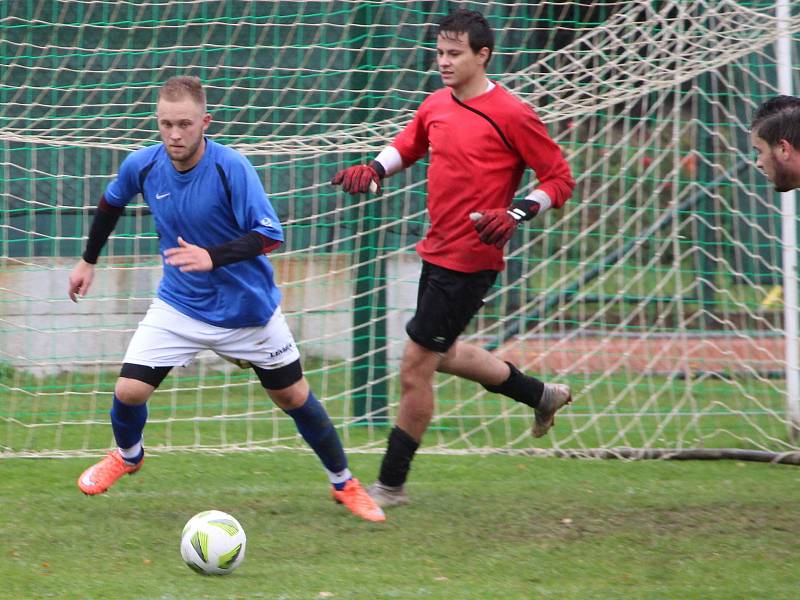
x=102 y=475
x=356 y=499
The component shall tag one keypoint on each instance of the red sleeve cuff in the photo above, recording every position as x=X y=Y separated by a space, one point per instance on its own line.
x=268 y=244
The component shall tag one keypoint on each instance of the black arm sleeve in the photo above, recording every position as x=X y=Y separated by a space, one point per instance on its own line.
x=105 y=219
x=248 y=246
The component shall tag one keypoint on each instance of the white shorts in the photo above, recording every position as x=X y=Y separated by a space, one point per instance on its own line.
x=168 y=338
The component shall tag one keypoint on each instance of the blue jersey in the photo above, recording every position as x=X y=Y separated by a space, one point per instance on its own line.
x=218 y=200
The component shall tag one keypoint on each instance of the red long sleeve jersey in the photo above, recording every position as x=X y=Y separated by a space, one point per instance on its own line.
x=478 y=152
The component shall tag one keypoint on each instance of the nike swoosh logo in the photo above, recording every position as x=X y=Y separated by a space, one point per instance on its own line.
x=160 y=196
x=87 y=479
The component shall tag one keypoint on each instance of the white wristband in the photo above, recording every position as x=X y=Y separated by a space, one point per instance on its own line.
x=391 y=160
x=541 y=198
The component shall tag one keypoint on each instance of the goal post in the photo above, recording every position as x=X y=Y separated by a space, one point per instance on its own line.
x=652 y=292
x=784 y=57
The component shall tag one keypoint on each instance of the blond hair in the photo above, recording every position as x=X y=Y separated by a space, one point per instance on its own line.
x=178 y=88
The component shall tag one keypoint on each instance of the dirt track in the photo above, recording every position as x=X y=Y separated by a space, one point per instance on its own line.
x=654 y=355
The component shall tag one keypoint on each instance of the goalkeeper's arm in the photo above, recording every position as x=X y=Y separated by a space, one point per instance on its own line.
x=496 y=225
x=359 y=179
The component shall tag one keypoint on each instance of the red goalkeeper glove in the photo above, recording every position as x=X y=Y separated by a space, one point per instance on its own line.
x=495 y=226
x=360 y=179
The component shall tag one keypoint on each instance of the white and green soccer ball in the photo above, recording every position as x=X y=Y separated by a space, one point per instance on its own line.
x=213 y=543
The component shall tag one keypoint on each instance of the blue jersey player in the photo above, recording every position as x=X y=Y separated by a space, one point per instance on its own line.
x=215 y=225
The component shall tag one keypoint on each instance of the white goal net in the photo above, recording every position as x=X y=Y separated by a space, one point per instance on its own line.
x=655 y=292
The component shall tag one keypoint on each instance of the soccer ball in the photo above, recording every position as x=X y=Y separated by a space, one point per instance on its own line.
x=212 y=543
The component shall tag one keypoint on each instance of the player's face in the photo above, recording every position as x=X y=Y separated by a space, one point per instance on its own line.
x=777 y=162
x=182 y=124
x=458 y=64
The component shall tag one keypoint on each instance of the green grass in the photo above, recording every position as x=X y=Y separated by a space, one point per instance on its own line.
x=479 y=528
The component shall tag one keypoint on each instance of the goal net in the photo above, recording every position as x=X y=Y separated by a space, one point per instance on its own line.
x=655 y=293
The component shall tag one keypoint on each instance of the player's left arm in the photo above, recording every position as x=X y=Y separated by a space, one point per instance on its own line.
x=541 y=153
x=253 y=213
x=190 y=257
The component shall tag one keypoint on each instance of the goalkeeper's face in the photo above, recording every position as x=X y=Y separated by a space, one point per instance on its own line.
x=182 y=124
x=458 y=64
x=780 y=163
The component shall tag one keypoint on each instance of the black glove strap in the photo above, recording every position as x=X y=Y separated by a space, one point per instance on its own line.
x=378 y=169
x=524 y=210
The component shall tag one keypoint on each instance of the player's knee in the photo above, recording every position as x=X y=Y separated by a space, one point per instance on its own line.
x=411 y=379
x=138 y=381
x=416 y=414
x=417 y=358
x=416 y=379
x=132 y=391
x=287 y=392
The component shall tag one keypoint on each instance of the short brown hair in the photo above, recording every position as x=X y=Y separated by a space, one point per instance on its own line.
x=177 y=88
x=778 y=119
x=474 y=24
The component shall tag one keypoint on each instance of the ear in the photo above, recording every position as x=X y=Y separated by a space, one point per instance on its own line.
x=785 y=149
x=483 y=55
x=206 y=120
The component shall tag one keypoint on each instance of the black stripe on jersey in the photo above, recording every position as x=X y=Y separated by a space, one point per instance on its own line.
x=225 y=183
x=488 y=118
x=143 y=175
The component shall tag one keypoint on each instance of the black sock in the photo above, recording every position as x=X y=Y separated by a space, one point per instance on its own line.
x=397 y=460
x=520 y=387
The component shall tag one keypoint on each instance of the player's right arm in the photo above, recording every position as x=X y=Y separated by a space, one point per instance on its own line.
x=359 y=179
x=111 y=205
x=408 y=147
x=105 y=219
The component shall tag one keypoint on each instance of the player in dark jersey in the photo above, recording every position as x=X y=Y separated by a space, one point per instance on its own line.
x=480 y=139
x=215 y=225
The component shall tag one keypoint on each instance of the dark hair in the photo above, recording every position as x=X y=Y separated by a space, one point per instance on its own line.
x=778 y=119
x=177 y=88
x=472 y=23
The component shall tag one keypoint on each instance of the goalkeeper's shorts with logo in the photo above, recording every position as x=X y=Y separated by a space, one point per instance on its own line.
x=446 y=302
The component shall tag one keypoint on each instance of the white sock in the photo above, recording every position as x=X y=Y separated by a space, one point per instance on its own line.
x=339 y=477
x=132 y=452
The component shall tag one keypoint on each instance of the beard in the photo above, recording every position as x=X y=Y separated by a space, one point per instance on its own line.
x=783 y=181
x=184 y=153
x=783 y=178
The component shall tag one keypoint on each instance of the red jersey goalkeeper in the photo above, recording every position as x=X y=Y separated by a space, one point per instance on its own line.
x=479 y=150
x=480 y=139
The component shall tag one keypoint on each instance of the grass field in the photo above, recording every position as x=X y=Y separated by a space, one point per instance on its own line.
x=479 y=528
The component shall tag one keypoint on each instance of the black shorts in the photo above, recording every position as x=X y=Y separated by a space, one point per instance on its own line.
x=446 y=302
